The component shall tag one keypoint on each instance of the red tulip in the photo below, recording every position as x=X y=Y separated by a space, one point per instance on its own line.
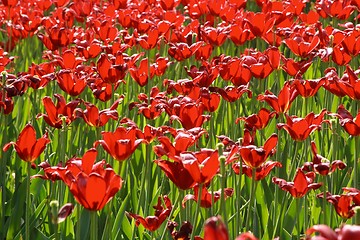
x=177 y=173
x=190 y=115
x=301 y=185
x=246 y=236
x=121 y=143
x=308 y=88
x=214 y=229
x=257 y=121
x=300 y=128
x=348 y=122
x=110 y=72
x=206 y=196
x=152 y=223
x=182 y=51
x=70 y=82
x=260 y=172
x=142 y=74
x=325 y=232
x=92 y=184
x=27 y=146
x=184 y=232
x=322 y=165
x=282 y=102
x=93 y=117
x=55 y=113
x=254 y=156
x=231 y=93
x=301 y=47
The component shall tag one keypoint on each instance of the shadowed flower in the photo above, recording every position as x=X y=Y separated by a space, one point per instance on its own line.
x=301 y=185
x=121 y=143
x=27 y=146
x=348 y=122
x=325 y=232
x=206 y=196
x=152 y=223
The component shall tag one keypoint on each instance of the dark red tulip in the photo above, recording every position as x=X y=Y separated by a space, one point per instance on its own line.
x=152 y=223
x=300 y=128
x=320 y=164
x=93 y=117
x=344 y=204
x=92 y=184
x=142 y=74
x=257 y=121
x=325 y=232
x=55 y=113
x=260 y=172
x=190 y=115
x=184 y=232
x=110 y=72
x=308 y=88
x=121 y=143
x=302 y=184
x=206 y=196
x=348 y=122
x=214 y=229
x=282 y=102
x=231 y=93
x=70 y=82
x=254 y=156
x=27 y=146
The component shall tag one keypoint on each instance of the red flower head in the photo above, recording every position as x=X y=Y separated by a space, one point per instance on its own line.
x=308 y=88
x=27 y=146
x=257 y=121
x=55 y=113
x=182 y=51
x=260 y=172
x=344 y=204
x=93 y=117
x=110 y=72
x=190 y=115
x=254 y=156
x=282 y=102
x=121 y=143
x=214 y=229
x=231 y=93
x=301 y=47
x=322 y=165
x=301 y=185
x=246 y=236
x=300 y=128
x=152 y=223
x=70 y=82
x=184 y=232
x=177 y=173
x=142 y=74
x=348 y=122
x=91 y=184
x=325 y=232
x=206 y=196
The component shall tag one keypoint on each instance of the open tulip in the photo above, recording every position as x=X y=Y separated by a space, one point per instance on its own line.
x=301 y=185
x=27 y=146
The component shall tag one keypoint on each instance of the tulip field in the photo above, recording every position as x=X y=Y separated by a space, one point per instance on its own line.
x=180 y=119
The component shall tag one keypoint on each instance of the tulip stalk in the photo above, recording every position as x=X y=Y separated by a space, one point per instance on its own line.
x=28 y=206
x=324 y=200
x=298 y=210
x=252 y=198
x=194 y=221
x=355 y=176
x=93 y=225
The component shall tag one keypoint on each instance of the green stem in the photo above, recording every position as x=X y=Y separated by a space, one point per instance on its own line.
x=78 y=226
x=28 y=206
x=298 y=210
x=93 y=226
x=194 y=221
x=252 y=198
x=355 y=178
x=238 y=204
x=324 y=200
x=223 y=184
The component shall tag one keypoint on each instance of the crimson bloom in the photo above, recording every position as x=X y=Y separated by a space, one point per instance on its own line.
x=27 y=146
x=71 y=82
x=214 y=229
x=190 y=115
x=257 y=121
x=320 y=164
x=93 y=117
x=301 y=185
x=325 y=232
x=308 y=88
x=344 y=204
x=152 y=223
x=254 y=156
x=121 y=143
x=55 y=113
x=260 y=172
x=300 y=128
x=92 y=184
x=348 y=122
x=282 y=102
x=206 y=196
